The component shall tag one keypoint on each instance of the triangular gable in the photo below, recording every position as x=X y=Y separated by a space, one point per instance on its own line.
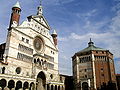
x=41 y=20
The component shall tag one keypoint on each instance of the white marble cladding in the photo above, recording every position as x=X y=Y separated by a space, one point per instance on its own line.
x=37 y=27
x=24 y=35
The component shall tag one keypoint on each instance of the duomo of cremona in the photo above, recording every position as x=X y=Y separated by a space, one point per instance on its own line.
x=29 y=57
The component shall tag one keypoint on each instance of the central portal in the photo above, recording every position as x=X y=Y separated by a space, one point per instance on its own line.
x=41 y=81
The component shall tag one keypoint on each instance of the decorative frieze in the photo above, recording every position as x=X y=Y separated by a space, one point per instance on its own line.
x=24 y=57
x=25 y=49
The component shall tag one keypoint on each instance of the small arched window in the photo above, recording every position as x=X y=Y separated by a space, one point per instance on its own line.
x=34 y=60
x=38 y=60
x=3 y=70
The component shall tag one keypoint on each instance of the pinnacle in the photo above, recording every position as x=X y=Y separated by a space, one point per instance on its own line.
x=90 y=43
x=54 y=32
x=17 y=5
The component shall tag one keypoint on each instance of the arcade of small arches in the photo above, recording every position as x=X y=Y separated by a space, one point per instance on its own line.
x=43 y=64
x=39 y=84
x=40 y=61
x=19 y=85
x=16 y=85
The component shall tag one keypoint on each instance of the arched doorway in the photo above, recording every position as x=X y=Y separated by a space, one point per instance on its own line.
x=3 y=83
x=41 y=81
x=11 y=84
x=18 y=85
x=85 y=86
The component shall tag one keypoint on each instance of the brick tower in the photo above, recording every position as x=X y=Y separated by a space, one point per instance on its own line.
x=15 y=15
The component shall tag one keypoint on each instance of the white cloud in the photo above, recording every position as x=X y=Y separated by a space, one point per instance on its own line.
x=117 y=66
x=107 y=40
x=57 y=2
x=91 y=13
x=91 y=35
x=95 y=26
x=87 y=15
x=62 y=39
x=115 y=27
x=65 y=1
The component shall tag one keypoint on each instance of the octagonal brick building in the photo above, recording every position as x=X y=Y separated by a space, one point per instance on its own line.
x=93 y=69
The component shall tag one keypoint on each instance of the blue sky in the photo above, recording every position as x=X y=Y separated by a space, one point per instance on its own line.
x=75 y=22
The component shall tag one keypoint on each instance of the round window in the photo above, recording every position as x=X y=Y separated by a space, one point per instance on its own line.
x=18 y=70
x=38 y=44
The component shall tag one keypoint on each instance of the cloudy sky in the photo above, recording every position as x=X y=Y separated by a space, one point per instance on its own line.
x=76 y=21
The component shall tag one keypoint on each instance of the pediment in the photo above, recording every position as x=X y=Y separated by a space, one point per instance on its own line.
x=41 y=20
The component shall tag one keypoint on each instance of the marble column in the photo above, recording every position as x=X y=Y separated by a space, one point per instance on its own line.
x=53 y=87
x=46 y=87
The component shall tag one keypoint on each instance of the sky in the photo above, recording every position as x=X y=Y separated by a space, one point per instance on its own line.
x=76 y=21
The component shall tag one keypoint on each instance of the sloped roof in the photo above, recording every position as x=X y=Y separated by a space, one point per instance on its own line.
x=91 y=47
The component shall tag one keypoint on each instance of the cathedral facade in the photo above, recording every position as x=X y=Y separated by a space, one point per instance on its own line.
x=29 y=58
x=93 y=69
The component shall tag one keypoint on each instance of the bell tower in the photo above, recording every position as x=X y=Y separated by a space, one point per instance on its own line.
x=40 y=11
x=15 y=15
